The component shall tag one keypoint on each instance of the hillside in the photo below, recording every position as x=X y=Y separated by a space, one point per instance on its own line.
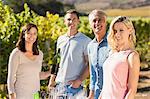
x=113 y=7
x=110 y=4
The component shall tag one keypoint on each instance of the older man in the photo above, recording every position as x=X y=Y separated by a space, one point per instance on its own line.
x=97 y=51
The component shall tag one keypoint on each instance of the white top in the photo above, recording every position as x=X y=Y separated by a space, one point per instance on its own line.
x=23 y=74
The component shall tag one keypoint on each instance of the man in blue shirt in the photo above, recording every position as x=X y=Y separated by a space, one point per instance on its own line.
x=73 y=68
x=97 y=52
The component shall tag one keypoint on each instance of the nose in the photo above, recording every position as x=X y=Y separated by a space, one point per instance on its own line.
x=96 y=22
x=32 y=34
x=117 y=34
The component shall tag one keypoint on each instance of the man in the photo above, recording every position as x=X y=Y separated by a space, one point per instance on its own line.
x=97 y=52
x=73 y=68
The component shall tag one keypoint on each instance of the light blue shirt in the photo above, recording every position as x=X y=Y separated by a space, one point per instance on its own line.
x=72 y=52
x=97 y=53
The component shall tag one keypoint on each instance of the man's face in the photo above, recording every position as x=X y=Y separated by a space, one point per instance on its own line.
x=71 y=21
x=97 y=23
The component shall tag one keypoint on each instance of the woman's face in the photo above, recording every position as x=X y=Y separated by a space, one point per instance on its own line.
x=121 y=33
x=31 y=35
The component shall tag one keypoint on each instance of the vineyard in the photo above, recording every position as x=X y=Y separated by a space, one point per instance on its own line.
x=50 y=28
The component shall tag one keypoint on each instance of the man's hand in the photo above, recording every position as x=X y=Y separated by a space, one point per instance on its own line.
x=75 y=83
x=51 y=85
x=52 y=82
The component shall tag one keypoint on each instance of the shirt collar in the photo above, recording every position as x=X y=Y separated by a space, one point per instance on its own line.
x=104 y=39
x=76 y=35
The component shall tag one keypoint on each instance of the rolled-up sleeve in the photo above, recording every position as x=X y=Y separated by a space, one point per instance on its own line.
x=92 y=71
x=92 y=78
x=12 y=70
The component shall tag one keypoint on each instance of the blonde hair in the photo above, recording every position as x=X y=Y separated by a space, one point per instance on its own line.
x=129 y=25
x=98 y=13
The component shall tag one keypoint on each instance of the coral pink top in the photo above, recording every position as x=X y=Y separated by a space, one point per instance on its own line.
x=115 y=70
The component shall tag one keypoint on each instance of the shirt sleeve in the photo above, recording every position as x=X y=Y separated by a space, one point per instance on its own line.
x=92 y=73
x=92 y=78
x=86 y=46
x=12 y=70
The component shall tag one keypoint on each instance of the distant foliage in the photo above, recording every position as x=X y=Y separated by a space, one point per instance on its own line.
x=50 y=28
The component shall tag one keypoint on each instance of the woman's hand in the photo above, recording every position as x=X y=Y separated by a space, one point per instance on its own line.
x=12 y=96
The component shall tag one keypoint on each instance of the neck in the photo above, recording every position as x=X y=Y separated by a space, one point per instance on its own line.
x=28 y=47
x=99 y=37
x=72 y=32
x=123 y=47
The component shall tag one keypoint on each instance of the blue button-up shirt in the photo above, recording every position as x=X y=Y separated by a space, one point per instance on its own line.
x=97 y=53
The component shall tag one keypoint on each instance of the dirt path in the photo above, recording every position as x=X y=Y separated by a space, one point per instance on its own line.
x=143 y=91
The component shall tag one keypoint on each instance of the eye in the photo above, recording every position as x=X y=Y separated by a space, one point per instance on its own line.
x=35 y=33
x=69 y=19
x=121 y=30
x=74 y=19
x=94 y=20
x=115 y=31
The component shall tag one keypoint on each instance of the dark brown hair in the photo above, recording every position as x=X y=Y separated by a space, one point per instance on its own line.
x=73 y=11
x=21 y=42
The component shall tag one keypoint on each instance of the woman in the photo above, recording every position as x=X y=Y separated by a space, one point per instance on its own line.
x=121 y=69
x=24 y=66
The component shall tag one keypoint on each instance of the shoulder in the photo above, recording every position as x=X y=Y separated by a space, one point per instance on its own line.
x=61 y=37
x=91 y=42
x=84 y=36
x=134 y=58
x=134 y=54
x=15 y=51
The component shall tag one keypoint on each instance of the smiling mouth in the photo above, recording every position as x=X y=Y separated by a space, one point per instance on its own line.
x=31 y=39
x=117 y=39
x=98 y=27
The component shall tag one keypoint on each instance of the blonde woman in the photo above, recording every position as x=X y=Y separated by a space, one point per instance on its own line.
x=121 y=69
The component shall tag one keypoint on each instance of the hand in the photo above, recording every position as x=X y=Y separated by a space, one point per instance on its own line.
x=100 y=96
x=51 y=85
x=12 y=96
x=52 y=82
x=91 y=95
x=75 y=83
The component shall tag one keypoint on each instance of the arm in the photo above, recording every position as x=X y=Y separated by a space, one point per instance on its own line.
x=12 y=69
x=134 y=68
x=76 y=83
x=45 y=75
x=92 y=82
x=85 y=73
